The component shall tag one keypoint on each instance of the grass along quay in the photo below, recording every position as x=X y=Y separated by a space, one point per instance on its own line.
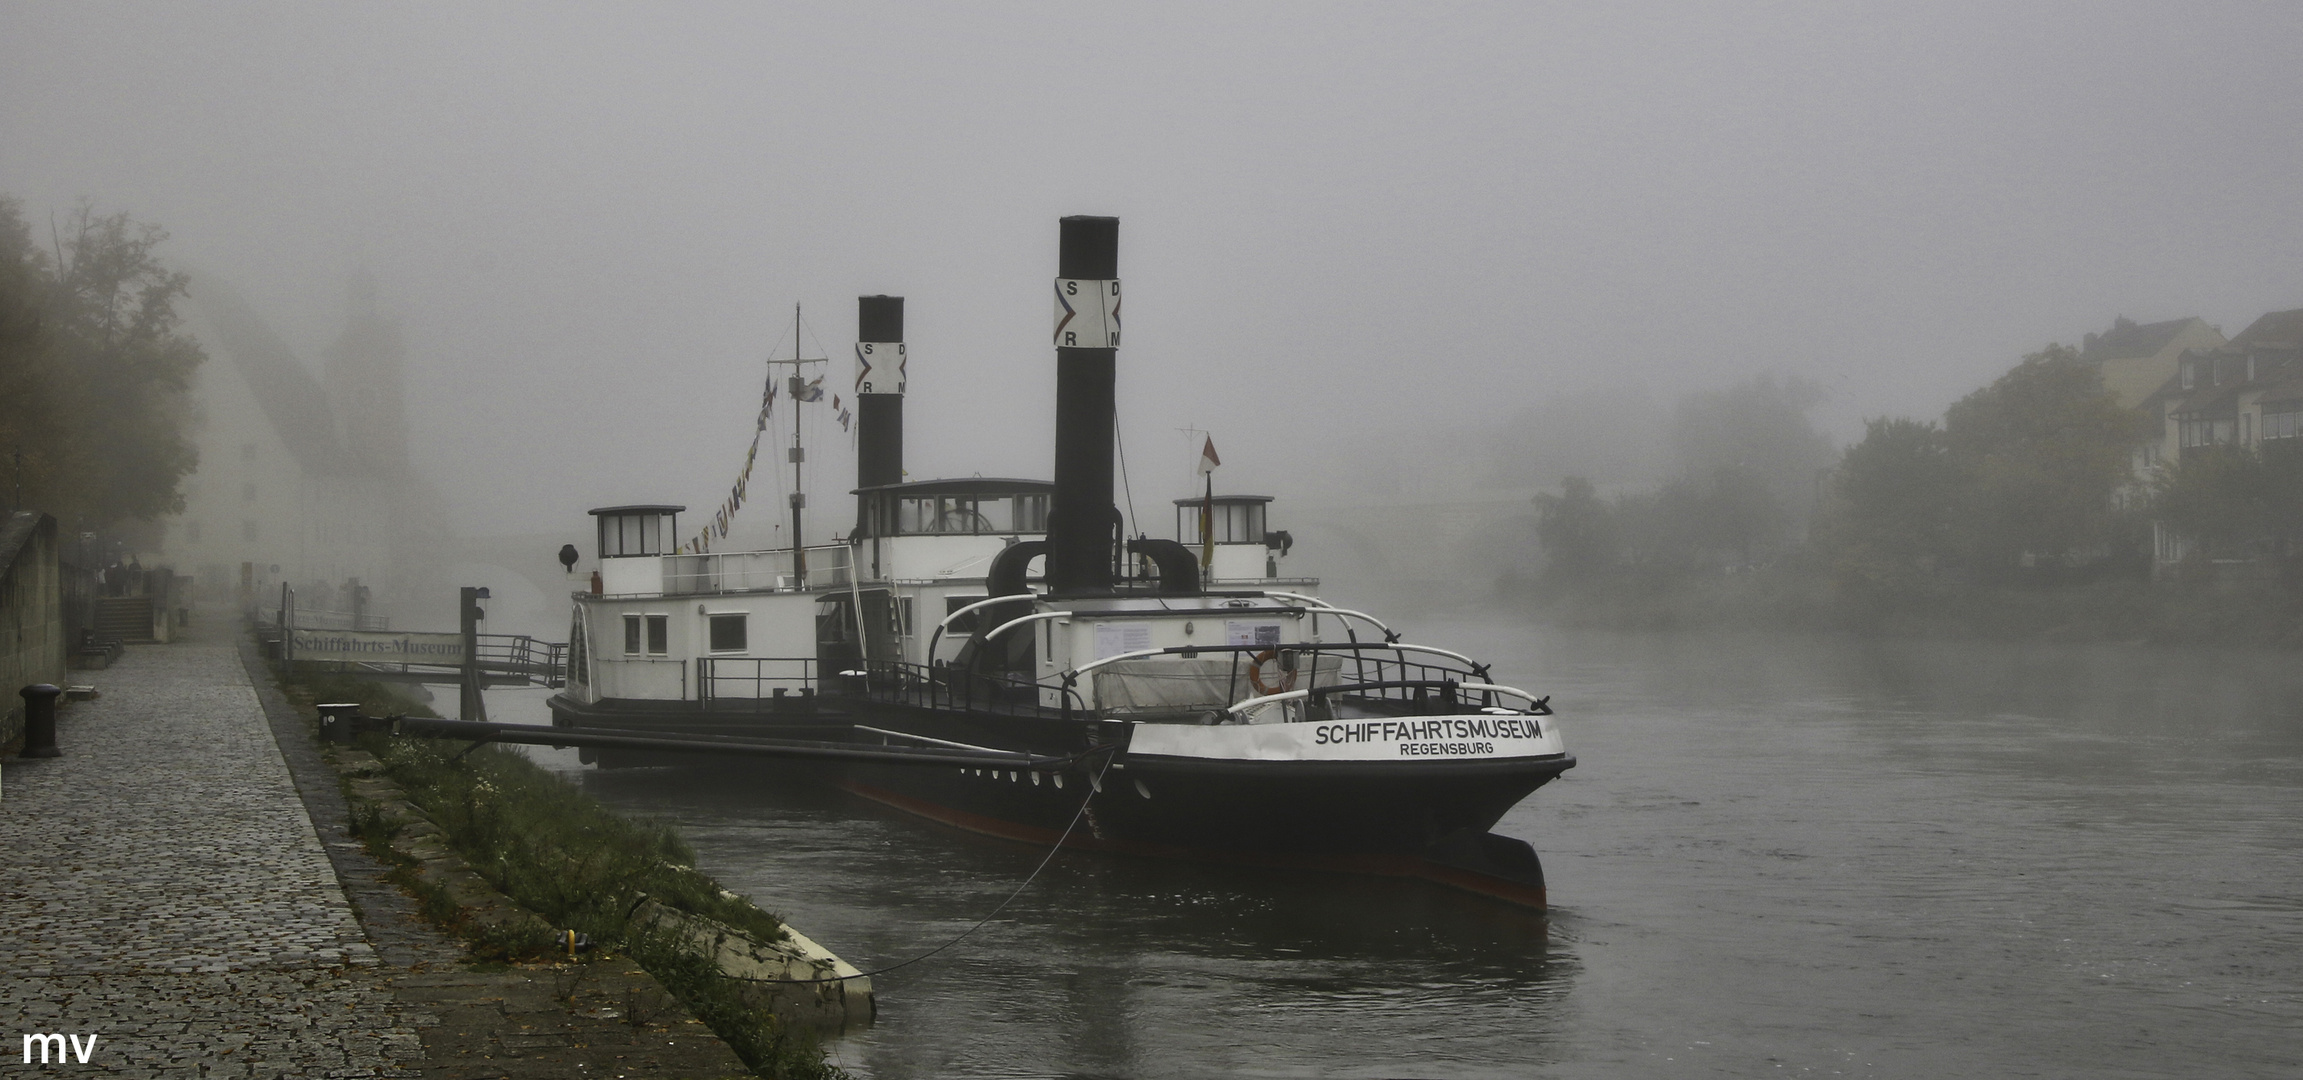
x=510 y=858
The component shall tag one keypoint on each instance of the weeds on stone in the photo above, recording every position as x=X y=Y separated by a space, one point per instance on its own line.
x=550 y=847
x=765 y=1042
x=555 y=851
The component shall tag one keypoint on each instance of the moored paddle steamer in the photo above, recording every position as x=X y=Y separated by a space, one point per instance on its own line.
x=1195 y=702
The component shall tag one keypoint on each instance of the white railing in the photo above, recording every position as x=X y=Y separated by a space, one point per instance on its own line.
x=828 y=566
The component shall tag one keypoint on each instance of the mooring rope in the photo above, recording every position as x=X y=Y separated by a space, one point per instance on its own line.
x=1095 y=786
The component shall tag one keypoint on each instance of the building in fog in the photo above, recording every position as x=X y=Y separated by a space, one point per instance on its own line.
x=302 y=479
x=2247 y=392
x=2135 y=360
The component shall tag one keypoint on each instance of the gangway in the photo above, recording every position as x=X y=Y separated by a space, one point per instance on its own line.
x=468 y=659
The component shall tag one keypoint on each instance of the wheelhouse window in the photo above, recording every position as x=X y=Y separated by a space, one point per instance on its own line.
x=968 y=515
x=659 y=634
x=636 y=530
x=730 y=633
x=635 y=536
x=1231 y=522
x=631 y=635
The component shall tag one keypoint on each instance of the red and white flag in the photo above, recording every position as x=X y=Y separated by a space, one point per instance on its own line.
x=1207 y=459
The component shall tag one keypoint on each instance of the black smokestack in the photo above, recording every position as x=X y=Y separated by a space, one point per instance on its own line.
x=880 y=379
x=1087 y=335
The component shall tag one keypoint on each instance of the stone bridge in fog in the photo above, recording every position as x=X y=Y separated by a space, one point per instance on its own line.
x=509 y=566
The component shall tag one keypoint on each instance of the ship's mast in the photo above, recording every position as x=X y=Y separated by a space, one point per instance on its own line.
x=798 y=453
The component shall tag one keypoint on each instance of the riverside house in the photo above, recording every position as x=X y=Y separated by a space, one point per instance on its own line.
x=2246 y=392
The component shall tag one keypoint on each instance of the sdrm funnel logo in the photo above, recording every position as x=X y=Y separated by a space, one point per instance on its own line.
x=55 y=1044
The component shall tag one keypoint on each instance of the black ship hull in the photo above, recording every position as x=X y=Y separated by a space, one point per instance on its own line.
x=1425 y=819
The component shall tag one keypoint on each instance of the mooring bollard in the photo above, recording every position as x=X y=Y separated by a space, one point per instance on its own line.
x=40 y=720
x=336 y=721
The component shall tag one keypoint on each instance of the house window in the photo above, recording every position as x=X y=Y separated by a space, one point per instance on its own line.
x=659 y=634
x=2190 y=375
x=730 y=633
x=2193 y=431
x=2283 y=425
x=631 y=635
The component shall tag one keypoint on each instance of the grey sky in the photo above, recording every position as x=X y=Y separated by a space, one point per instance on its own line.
x=1345 y=228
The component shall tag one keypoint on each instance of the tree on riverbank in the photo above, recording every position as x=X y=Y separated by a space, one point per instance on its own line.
x=2237 y=501
x=95 y=372
x=1747 y=460
x=1889 y=523
x=1749 y=452
x=2041 y=455
x=2018 y=514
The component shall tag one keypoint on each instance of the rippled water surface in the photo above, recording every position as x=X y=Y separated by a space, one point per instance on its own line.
x=1778 y=856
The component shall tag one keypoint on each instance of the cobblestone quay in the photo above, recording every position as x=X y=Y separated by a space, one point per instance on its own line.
x=162 y=889
x=182 y=885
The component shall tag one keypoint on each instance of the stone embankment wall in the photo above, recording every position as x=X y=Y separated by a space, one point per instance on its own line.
x=797 y=979
x=31 y=616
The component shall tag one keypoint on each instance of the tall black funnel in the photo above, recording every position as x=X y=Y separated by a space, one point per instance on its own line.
x=1081 y=520
x=879 y=391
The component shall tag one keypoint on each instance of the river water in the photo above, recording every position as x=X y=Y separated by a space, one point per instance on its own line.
x=1778 y=856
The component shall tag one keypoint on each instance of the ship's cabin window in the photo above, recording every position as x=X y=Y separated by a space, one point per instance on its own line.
x=965 y=624
x=628 y=531
x=730 y=633
x=835 y=622
x=1233 y=521
x=657 y=636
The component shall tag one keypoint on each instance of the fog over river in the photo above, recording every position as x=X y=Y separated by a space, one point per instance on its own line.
x=1779 y=855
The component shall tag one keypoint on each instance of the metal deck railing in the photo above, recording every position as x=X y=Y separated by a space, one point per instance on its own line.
x=948 y=688
x=731 y=681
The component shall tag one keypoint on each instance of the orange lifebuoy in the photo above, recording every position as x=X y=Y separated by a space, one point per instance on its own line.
x=1285 y=681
